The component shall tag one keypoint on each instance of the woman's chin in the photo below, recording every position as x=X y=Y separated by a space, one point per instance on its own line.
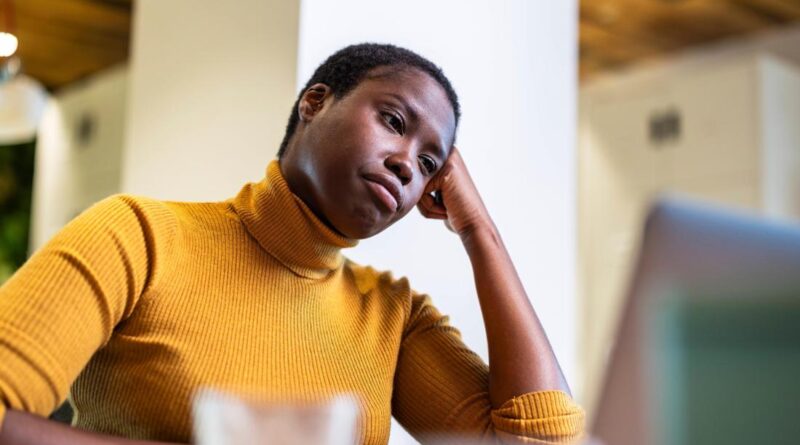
x=362 y=223
x=363 y=231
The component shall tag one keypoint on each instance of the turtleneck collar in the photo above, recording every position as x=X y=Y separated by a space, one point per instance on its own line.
x=285 y=227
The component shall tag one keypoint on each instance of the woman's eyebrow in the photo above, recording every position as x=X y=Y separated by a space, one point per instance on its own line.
x=412 y=112
x=440 y=151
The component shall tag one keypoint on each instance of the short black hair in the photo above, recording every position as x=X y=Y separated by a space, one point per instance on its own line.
x=346 y=68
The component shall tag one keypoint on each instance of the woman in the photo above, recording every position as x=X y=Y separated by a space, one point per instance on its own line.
x=138 y=303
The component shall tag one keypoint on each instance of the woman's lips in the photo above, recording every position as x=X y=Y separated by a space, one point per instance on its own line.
x=386 y=192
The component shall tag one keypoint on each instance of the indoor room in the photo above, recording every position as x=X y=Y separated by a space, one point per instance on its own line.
x=364 y=222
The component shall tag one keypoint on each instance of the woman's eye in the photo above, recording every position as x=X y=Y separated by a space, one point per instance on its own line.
x=395 y=122
x=428 y=164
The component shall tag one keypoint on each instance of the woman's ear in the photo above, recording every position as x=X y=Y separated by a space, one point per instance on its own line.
x=312 y=101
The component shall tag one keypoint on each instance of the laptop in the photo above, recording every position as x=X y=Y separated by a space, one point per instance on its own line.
x=708 y=347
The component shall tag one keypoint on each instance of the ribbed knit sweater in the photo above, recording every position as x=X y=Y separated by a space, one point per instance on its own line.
x=138 y=303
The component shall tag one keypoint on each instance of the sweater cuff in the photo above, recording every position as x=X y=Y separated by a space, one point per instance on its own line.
x=2 y=415
x=537 y=417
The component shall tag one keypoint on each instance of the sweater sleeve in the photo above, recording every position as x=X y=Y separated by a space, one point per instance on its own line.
x=64 y=302
x=442 y=391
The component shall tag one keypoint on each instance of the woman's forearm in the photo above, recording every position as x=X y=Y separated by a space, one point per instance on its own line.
x=521 y=359
x=20 y=428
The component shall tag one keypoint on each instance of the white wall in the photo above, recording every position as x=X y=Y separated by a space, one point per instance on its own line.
x=779 y=86
x=212 y=84
x=70 y=175
x=513 y=64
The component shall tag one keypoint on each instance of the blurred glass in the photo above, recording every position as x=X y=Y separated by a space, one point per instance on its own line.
x=227 y=419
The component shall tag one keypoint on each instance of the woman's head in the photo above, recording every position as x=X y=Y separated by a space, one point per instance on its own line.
x=369 y=130
x=346 y=68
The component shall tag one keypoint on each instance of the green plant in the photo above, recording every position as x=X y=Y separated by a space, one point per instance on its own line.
x=16 y=191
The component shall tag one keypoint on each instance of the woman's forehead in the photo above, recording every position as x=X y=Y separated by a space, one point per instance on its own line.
x=408 y=80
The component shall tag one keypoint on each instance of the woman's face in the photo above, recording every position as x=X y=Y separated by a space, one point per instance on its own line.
x=362 y=162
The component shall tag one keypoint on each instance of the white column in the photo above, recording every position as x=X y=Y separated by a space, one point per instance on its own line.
x=513 y=64
x=212 y=84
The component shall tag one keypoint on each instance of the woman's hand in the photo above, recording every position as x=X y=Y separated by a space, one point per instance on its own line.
x=461 y=207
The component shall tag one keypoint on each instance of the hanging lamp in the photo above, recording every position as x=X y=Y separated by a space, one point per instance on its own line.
x=22 y=99
x=8 y=41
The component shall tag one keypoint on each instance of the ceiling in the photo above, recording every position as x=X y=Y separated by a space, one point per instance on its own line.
x=63 y=41
x=615 y=33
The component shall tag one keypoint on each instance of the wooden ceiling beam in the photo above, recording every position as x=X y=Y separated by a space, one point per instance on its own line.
x=62 y=41
x=778 y=11
x=615 y=32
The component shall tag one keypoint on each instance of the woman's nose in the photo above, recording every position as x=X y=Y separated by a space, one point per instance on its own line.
x=400 y=165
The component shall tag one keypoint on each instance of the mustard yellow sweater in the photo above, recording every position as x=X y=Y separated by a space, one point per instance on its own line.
x=137 y=303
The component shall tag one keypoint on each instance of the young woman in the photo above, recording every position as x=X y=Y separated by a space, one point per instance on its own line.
x=138 y=303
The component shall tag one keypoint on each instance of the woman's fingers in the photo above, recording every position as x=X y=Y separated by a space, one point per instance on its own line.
x=429 y=209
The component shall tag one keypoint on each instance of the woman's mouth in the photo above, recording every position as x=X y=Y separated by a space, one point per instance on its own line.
x=386 y=190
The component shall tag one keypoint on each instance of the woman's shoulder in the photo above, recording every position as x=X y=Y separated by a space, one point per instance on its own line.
x=394 y=291
x=167 y=215
x=369 y=279
x=127 y=219
x=122 y=210
x=160 y=221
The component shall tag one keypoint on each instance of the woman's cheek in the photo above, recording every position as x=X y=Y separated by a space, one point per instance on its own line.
x=413 y=201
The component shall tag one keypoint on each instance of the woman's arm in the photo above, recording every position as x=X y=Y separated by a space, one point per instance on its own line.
x=20 y=428
x=63 y=305
x=520 y=357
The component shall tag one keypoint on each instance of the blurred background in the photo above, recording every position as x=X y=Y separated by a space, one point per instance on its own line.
x=576 y=114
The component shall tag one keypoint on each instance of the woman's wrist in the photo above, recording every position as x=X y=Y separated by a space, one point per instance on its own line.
x=480 y=234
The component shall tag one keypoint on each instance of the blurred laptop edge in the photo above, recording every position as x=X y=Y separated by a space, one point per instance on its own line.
x=708 y=348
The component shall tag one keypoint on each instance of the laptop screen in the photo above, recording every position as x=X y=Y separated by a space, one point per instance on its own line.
x=728 y=371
